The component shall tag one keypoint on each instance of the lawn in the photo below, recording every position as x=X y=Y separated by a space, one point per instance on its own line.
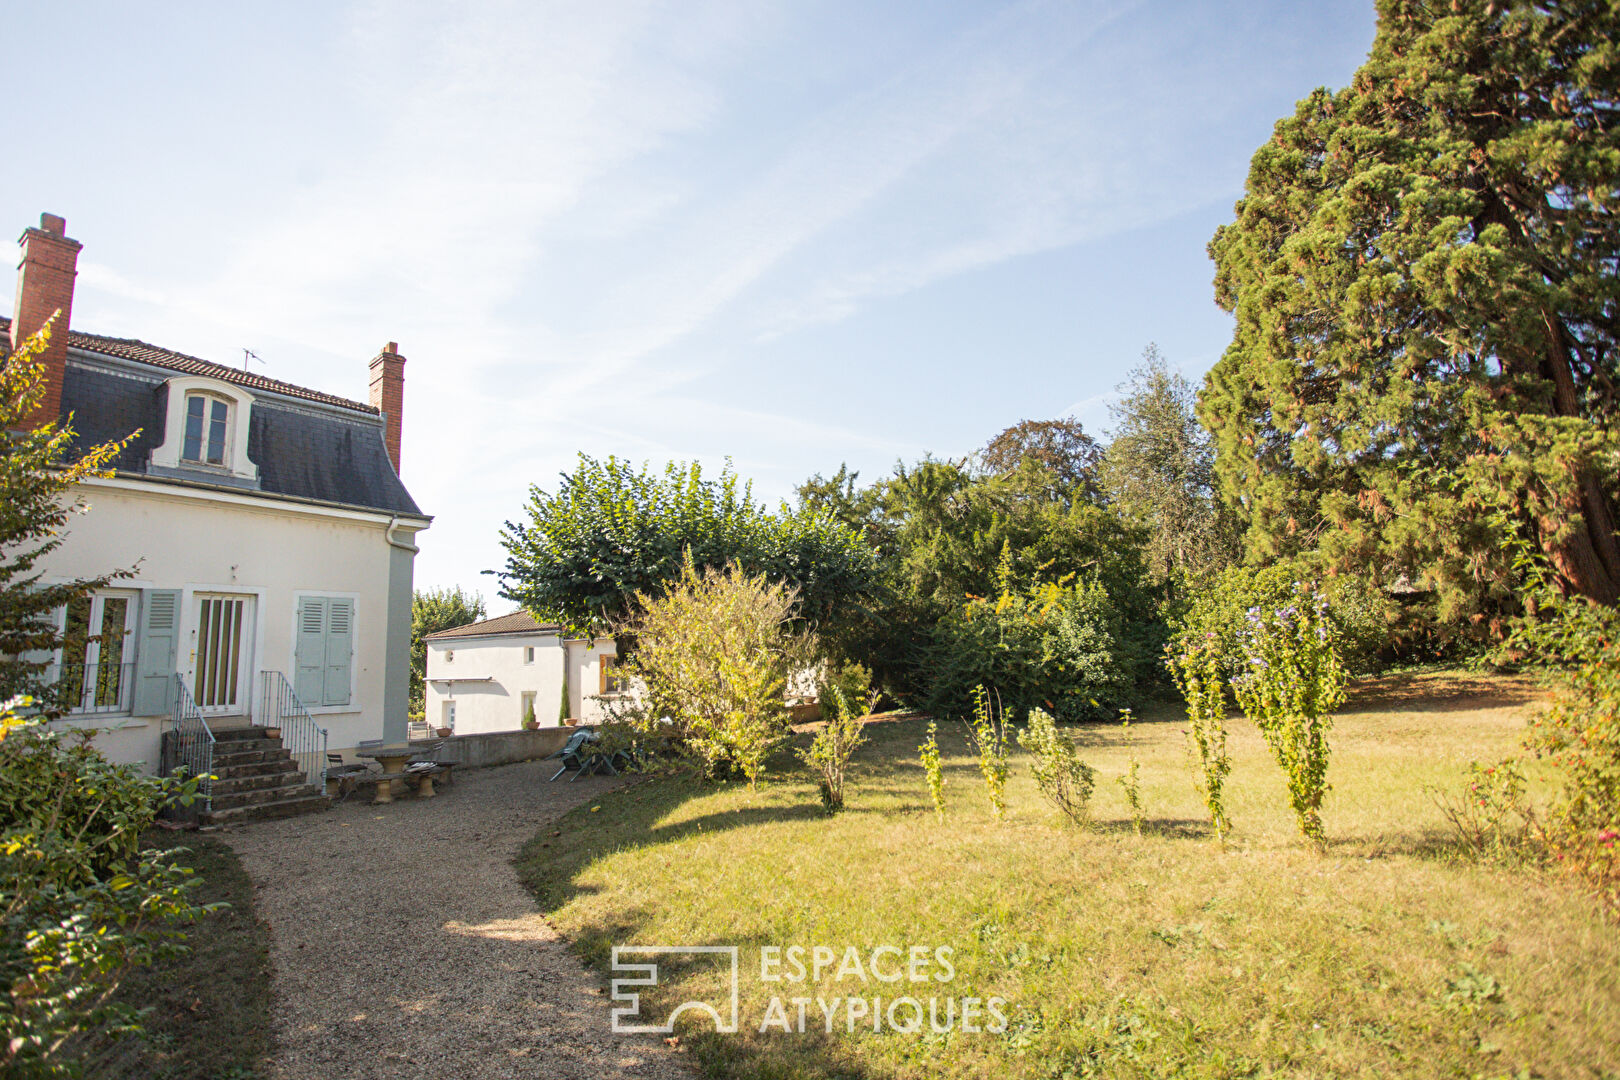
x=1117 y=954
x=208 y=1010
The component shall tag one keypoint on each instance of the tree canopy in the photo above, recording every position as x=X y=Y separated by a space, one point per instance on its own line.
x=611 y=531
x=1423 y=272
x=1159 y=471
x=433 y=610
x=1061 y=446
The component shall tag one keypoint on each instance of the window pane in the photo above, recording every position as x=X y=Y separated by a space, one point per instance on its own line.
x=76 y=635
x=110 y=669
x=216 y=433
x=192 y=451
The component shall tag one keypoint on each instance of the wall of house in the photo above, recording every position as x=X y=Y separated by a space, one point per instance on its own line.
x=207 y=542
x=487 y=678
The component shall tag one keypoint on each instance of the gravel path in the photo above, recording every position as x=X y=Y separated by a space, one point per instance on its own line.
x=404 y=945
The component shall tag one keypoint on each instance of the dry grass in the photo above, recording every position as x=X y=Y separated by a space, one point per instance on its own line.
x=1159 y=955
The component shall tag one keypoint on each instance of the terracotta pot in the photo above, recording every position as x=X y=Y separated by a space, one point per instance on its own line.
x=444 y=733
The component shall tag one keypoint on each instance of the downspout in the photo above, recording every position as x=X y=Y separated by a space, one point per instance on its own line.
x=397 y=666
x=393 y=523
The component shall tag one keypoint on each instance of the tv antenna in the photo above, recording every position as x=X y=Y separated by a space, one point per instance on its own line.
x=249 y=354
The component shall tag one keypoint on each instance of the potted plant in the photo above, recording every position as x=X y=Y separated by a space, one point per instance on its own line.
x=529 y=721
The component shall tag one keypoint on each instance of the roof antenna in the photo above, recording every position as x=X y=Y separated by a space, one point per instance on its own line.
x=249 y=354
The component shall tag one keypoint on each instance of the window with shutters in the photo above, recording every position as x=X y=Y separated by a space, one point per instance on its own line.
x=324 y=651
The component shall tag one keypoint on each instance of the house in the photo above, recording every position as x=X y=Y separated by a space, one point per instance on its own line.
x=487 y=676
x=269 y=540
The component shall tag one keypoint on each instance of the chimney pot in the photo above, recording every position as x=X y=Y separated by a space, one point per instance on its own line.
x=51 y=223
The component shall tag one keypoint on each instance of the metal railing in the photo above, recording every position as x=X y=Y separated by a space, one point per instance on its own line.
x=279 y=707
x=93 y=688
x=191 y=744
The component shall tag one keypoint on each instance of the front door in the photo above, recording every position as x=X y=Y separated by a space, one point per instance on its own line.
x=222 y=672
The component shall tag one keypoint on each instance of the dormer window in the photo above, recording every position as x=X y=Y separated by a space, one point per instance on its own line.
x=208 y=430
x=206 y=433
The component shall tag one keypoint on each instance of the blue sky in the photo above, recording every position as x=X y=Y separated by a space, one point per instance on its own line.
x=794 y=234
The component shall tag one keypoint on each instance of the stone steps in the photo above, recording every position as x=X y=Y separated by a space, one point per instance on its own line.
x=258 y=780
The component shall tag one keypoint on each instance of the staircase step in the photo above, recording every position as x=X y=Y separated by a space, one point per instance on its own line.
x=269 y=811
x=249 y=757
x=232 y=783
x=232 y=799
x=257 y=768
x=230 y=742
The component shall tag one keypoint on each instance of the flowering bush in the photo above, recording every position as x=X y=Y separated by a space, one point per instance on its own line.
x=1292 y=681
x=1491 y=819
x=1195 y=662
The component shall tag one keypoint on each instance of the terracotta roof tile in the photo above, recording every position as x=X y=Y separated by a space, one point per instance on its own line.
x=519 y=622
x=157 y=356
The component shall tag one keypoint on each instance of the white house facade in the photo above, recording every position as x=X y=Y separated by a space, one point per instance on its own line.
x=268 y=540
x=488 y=676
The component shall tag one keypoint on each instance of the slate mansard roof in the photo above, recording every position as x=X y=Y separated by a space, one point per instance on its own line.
x=308 y=445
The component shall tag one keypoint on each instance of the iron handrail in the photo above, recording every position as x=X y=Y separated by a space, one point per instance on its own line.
x=280 y=707
x=193 y=743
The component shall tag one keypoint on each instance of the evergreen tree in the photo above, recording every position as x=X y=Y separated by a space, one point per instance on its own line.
x=1424 y=276
x=38 y=470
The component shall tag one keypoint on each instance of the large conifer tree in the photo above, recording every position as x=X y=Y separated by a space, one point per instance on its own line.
x=1423 y=271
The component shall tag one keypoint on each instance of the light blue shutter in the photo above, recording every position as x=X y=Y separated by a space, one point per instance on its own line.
x=155 y=650
x=309 y=654
x=339 y=650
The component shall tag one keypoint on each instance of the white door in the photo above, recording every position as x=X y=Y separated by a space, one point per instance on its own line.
x=222 y=654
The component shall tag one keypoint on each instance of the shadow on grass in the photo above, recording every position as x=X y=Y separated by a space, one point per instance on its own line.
x=1438 y=692
x=1170 y=828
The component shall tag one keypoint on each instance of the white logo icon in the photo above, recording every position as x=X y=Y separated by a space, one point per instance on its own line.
x=625 y=1014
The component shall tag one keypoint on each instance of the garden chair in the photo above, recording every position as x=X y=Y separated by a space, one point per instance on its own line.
x=346 y=773
x=571 y=755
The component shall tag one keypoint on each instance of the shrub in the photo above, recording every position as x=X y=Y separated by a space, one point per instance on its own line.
x=1196 y=664
x=929 y=755
x=1055 y=647
x=1131 y=781
x=1291 y=686
x=1063 y=778
x=836 y=742
x=714 y=651
x=80 y=902
x=1491 y=820
x=1580 y=732
x=988 y=733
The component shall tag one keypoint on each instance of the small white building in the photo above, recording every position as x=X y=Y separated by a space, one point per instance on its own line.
x=267 y=538
x=487 y=676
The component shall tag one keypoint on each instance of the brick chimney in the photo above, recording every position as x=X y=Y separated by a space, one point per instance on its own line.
x=388 y=395
x=45 y=287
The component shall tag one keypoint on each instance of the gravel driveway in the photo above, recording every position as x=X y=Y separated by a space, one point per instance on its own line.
x=404 y=945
